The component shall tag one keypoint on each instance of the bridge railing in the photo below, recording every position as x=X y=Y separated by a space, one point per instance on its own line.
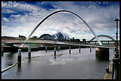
x=115 y=74
x=116 y=66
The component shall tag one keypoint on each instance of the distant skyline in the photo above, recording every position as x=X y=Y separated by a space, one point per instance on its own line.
x=20 y=17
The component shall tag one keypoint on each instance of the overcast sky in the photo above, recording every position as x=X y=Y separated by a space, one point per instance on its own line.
x=21 y=17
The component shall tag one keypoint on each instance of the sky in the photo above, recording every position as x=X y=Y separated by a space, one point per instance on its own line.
x=21 y=17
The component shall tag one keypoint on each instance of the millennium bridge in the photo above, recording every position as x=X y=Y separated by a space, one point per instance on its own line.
x=103 y=50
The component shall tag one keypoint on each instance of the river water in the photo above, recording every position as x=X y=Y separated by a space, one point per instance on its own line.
x=43 y=65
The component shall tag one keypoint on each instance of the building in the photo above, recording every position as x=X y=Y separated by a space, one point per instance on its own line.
x=46 y=37
x=61 y=36
x=8 y=38
x=22 y=37
x=75 y=40
x=58 y=36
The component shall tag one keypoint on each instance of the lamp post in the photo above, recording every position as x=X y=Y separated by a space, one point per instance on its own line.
x=115 y=70
x=116 y=55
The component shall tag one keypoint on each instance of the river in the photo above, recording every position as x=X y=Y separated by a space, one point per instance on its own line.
x=43 y=65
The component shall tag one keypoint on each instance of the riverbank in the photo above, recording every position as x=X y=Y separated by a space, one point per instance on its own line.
x=108 y=75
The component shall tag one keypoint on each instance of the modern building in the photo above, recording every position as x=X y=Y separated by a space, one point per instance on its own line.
x=46 y=37
x=58 y=36
x=61 y=36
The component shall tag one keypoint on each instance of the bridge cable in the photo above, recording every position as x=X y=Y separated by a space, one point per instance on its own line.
x=50 y=23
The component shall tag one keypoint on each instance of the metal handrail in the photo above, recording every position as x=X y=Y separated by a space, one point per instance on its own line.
x=115 y=72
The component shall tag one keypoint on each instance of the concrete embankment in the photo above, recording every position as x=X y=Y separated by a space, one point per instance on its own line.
x=108 y=75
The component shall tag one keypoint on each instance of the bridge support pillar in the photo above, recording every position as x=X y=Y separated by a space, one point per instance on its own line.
x=102 y=53
x=19 y=56
x=90 y=49
x=69 y=50
x=54 y=52
x=46 y=49
x=79 y=49
x=29 y=53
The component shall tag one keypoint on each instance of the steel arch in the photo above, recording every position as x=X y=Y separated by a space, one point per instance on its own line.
x=103 y=36
x=64 y=11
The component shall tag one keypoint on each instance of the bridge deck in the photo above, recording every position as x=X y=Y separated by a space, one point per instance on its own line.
x=57 y=43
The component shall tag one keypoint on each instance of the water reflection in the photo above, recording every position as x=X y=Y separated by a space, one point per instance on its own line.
x=98 y=58
x=19 y=67
x=64 y=65
x=9 y=55
x=60 y=55
x=29 y=59
x=8 y=59
x=54 y=57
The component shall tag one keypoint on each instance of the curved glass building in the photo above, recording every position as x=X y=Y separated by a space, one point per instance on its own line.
x=61 y=36
x=46 y=37
x=58 y=36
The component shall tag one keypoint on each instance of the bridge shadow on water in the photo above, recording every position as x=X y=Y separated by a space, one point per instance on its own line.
x=99 y=59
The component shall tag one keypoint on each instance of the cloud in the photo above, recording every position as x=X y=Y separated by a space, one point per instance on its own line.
x=26 y=16
x=5 y=19
x=8 y=11
x=19 y=6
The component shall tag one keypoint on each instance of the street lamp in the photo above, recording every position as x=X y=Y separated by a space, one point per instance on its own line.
x=116 y=55
x=116 y=60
